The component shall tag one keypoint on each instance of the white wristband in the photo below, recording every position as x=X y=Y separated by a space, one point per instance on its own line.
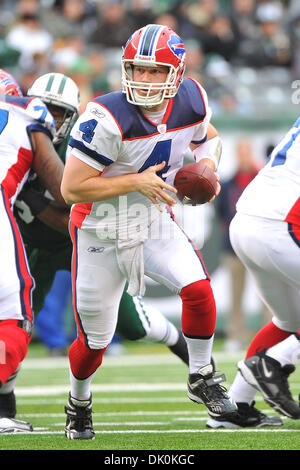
x=211 y=149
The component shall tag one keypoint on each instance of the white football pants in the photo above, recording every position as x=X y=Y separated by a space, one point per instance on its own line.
x=98 y=282
x=270 y=251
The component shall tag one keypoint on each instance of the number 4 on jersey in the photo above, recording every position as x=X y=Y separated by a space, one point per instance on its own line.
x=160 y=153
x=87 y=128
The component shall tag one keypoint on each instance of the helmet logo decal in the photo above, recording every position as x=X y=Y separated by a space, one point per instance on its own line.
x=176 y=45
x=8 y=85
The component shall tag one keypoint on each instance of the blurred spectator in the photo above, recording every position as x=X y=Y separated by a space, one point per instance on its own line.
x=66 y=51
x=28 y=35
x=219 y=37
x=167 y=19
x=294 y=28
x=271 y=47
x=68 y=17
x=9 y=56
x=293 y=9
x=194 y=60
x=27 y=76
x=81 y=71
x=247 y=168
x=99 y=77
x=242 y=17
x=219 y=85
x=140 y=12
x=195 y=18
x=115 y=25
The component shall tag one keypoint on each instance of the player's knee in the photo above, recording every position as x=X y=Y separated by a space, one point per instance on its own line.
x=13 y=348
x=84 y=360
x=198 y=310
x=197 y=292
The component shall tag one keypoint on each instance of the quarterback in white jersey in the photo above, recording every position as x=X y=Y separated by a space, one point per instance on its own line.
x=265 y=234
x=26 y=131
x=117 y=138
x=125 y=151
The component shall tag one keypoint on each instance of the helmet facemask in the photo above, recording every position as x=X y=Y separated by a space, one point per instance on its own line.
x=167 y=89
x=66 y=123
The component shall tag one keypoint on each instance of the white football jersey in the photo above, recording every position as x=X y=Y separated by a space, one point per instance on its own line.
x=19 y=116
x=275 y=191
x=116 y=138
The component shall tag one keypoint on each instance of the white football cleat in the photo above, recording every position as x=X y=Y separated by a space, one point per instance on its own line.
x=11 y=425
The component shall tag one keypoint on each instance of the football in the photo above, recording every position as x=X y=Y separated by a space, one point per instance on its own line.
x=196 y=183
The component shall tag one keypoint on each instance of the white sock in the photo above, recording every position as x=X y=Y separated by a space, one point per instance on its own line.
x=165 y=333
x=240 y=391
x=80 y=388
x=199 y=352
x=158 y=328
x=287 y=351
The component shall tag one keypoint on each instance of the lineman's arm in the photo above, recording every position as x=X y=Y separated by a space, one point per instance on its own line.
x=82 y=183
x=47 y=165
x=32 y=203
x=56 y=217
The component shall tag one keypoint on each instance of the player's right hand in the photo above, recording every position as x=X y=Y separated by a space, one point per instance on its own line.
x=153 y=187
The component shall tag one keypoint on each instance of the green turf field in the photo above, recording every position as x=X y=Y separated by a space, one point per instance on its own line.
x=139 y=403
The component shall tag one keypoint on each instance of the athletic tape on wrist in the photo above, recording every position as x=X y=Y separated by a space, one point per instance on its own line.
x=211 y=149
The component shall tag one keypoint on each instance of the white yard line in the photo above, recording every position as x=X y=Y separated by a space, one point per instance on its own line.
x=184 y=415
x=173 y=431
x=126 y=359
x=42 y=390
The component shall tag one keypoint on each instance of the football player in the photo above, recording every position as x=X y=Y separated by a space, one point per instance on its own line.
x=126 y=149
x=265 y=234
x=44 y=228
x=26 y=133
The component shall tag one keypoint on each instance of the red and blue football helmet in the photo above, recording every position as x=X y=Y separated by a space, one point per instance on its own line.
x=153 y=45
x=8 y=85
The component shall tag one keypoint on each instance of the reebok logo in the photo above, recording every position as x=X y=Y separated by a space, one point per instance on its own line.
x=95 y=249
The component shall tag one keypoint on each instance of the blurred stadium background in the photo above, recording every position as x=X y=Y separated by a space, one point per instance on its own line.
x=246 y=54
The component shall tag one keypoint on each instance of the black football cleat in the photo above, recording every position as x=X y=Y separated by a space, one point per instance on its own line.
x=270 y=378
x=204 y=387
x=79 y=423
x=247 y=416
